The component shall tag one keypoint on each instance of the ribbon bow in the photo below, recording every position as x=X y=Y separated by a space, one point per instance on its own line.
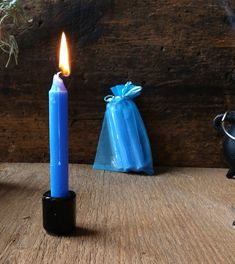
x=127 y=90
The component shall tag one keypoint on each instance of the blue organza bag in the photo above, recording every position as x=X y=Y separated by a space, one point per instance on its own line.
x=123 y=144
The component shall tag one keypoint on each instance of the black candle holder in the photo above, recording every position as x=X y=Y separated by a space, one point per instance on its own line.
x=59 y=214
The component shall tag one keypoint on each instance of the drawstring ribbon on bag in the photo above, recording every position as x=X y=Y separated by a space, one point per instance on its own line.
x=127 y=92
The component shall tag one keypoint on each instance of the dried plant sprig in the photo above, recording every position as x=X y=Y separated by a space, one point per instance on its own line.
x=11 y=48
x=12 y=15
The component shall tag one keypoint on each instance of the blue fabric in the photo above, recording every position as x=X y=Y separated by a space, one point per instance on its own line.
x=123 y=144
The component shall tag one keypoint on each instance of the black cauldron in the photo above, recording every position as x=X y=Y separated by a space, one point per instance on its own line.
x=229 y=141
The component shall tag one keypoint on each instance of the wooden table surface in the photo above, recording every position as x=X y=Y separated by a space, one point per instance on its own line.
x=182 y=215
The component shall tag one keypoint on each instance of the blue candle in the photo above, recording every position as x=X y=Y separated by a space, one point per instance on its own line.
x=119 y=138
x=58 y=122
x=58 y=126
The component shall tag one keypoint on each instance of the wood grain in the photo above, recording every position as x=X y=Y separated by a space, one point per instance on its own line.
x=183 y=215
x=182 y=52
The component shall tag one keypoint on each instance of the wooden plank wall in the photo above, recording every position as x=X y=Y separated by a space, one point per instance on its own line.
x=182 y=52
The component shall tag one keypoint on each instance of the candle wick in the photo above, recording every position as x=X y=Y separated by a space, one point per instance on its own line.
x=58 y=73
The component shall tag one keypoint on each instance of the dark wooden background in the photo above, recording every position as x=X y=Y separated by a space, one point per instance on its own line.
x=181 y=51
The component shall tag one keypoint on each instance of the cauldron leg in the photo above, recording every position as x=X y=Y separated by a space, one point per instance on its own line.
x=230 y=173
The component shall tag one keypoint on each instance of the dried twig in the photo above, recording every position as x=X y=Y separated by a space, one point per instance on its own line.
x=12 y=15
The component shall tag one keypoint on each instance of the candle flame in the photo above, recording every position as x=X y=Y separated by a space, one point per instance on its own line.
x=64 y=56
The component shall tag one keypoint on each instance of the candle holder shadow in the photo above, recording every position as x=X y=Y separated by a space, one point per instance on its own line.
x=84 y=232
x=59 y=214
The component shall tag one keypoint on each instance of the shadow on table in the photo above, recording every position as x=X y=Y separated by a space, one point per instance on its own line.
x=163 y=170
x=158 y=171
x=6 y=186
x=84 y=232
